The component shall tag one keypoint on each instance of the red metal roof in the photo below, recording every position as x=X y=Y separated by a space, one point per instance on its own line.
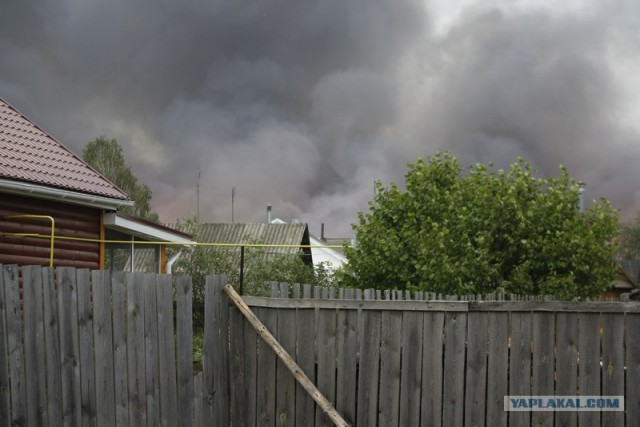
x=29 y=154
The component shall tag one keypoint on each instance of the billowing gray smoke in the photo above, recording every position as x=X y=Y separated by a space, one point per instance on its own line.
x=303 y=104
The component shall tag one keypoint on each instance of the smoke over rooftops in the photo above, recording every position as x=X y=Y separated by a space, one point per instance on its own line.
x=304 y=104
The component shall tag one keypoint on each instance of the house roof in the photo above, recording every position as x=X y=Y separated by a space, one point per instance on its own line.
x=280 y=239
x=30 y=155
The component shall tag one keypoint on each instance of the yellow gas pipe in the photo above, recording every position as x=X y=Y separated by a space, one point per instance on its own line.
x=53 y=228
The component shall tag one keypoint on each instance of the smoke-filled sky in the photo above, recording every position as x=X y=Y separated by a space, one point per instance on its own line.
x=303 y=104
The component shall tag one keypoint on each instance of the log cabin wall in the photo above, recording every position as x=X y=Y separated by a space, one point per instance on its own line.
x=70 y=221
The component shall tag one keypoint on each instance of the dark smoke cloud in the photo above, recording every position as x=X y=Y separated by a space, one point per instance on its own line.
x=303 y=104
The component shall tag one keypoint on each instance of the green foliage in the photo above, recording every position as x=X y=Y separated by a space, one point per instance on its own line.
x=629 y=240
x=260 y=268
x=483 y=231
x=106 y=157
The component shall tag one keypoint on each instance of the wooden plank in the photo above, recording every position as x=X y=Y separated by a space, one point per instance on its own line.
x=250 y=374
x=220 y=323
x=368 y=380
x=5 y=401
x=166 y=352
x=390 y=347
x=411 y=373
x=136 y=349
x=589 y=364
x=542 y=368
x=476 y=376
x=52 y=345
x=103 y=340
x=455 y=325
x=184 y=338
x=613 y=364
x=497 y=368
x=326 y=350
x=305 y=357
x=15 y=346
x=119 y=307
x=238 y=407
x=69 y=346
x=34 y=345
x=566 y=364
x=342 y=304
x=433 y=342
x=346 y=364
x=85 y=339
x=556 y=306
x=266 y=369
x=198 y=401
x=285 y=383
x=632 y=360
x=151 y=362
x=520 y=363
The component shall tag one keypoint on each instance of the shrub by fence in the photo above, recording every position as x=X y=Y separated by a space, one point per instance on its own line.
x=86 y=348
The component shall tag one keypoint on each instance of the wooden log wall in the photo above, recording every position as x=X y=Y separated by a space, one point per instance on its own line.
x=70 y=220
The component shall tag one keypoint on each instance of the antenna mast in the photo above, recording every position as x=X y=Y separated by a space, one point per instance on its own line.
x=198 y=196
x=233 y=196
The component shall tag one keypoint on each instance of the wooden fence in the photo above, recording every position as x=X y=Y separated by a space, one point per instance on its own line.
x=84 y=348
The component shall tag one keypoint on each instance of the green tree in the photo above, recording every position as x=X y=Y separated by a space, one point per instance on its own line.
x=629 y=239
x=483 y=231
x=106 y=157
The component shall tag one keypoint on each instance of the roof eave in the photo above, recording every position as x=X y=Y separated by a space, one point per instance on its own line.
x=61 y=195
x=143 y=229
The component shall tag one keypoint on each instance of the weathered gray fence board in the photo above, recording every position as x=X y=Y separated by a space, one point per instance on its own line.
x=152 y=382
x=455 y=332
x=632 y=361
x=497 y=367
x=589 y=364
x=411 y=372
x=69 y=351
x=368 y=380
x=520 y=364
x=326 y=342
x=390 y=348
x=5 y=401
x=52 y=344
x=34 y=345
x=220 y=329
x=250 y=373
x=305 y=357
x=543 y=363
x=347 y=353
x=166 y=352
x=119 y=310
x=285 y=383
x=238 y=406
x=432 y=352
x=266 y=372
x=15 y=348
x=476 y=376
x=613 y=364
x=135 y=350
x=103 y=339
x=184 y=343
x=198 y=401
x=87 y=351
x=566 y=363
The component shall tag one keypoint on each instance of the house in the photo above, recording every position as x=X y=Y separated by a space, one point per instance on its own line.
x=278 y=238
x=56 y=210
